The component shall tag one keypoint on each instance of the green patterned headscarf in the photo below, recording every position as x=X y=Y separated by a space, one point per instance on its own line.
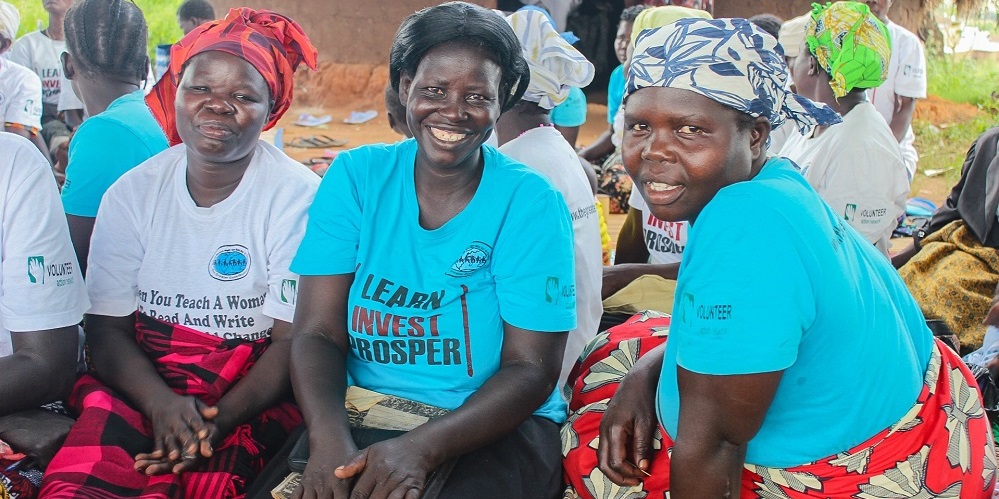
x=852 y=45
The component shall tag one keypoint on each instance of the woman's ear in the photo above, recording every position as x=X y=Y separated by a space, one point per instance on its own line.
x=404 y=83
x=68 y=70
x=813 y=65
x=758 y=136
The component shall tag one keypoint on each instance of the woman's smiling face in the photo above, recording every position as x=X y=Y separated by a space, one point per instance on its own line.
x=452 y=103
x=681 y=148
x=222 y=105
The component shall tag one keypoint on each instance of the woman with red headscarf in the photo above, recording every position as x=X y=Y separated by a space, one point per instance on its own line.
x=189 y=331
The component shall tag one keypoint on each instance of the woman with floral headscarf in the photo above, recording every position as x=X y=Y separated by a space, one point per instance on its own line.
x=856 y=166
x=192 y=297
x=774 y=380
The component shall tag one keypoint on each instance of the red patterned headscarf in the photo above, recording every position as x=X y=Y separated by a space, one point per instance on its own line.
x=274 y=44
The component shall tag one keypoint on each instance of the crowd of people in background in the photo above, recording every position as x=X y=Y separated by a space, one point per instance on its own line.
x=186 y=311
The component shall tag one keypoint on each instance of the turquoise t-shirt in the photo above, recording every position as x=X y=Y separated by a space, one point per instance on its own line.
x=773 y=280
x=572 y=112
x=426 y=310
x=615 y=92
x=105 y=147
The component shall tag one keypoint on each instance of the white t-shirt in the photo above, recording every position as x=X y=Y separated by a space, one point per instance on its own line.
x=41 y=54
x=20 y=96
x=40 y=283
x=222 y=270
x=545 y=150
x=664 y=240
x=907 y=78
x=857 y=168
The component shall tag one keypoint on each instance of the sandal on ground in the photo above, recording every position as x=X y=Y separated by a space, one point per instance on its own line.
x=316 y=141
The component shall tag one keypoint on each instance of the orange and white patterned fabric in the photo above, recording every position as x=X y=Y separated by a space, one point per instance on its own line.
x=941 y=448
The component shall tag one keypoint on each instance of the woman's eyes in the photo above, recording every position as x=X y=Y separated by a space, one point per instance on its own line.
x=638 y=127
x=435 y=91
x=690 y=129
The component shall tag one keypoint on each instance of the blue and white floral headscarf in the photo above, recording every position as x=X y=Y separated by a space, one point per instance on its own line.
x=730 y=61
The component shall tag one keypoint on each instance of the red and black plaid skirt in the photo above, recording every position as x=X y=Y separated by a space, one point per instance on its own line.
x=97 y=459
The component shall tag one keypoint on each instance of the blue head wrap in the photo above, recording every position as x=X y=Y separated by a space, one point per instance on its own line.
x=730 y=61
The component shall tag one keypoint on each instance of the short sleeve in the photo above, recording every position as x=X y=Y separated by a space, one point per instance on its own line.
x=334 y=227
x=116 y=253
x=25 y=106
x=744 y=297
x=572 y=112
x=533 y=265
x=100 y=153
x=20 y=52
x=42 y=284
x=910 y=81
x=283 y=240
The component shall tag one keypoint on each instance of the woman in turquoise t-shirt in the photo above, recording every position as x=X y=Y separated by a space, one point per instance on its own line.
x=438 y=275
x=797 y=364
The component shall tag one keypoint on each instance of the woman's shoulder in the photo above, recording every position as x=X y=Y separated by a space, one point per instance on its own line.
x=157 y=168
x=286 y=169
x=513 y=176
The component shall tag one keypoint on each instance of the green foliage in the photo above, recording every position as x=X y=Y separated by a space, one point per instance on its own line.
x=161 y=17
x=963 y=79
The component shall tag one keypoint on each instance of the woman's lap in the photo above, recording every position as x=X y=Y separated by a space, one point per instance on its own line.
x=953 y=453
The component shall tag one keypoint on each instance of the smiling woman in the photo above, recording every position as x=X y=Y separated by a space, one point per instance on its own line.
x=483 y=243
x=190 y=282
x=792 y=307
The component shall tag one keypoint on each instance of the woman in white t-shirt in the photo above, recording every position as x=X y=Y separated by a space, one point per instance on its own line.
x=856 y=166
x=526 y=134
x=192 y=296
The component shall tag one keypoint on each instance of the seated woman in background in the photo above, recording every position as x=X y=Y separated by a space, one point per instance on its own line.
x=856 y=166
x=952 y=267
x=189 y=332
x=438 y=274
x=774 y=328
x=526 y=134
x=106 y=61
x=42 y=299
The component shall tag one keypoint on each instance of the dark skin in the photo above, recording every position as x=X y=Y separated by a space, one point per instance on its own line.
x=42 y=369
x=682 y=148
x=97 y=91
x=602 y=146
x=631 y=257
x=811 y=81
x=222 y=105
x=455 y=88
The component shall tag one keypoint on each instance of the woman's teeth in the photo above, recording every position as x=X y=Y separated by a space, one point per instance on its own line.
x=446 y=136
x=660 y=187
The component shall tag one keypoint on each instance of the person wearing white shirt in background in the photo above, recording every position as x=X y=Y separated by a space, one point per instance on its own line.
x=39 y=51
x=906 y=82
x=855 y=166
x=527 y=135
x=42 y=299
x=20 y=88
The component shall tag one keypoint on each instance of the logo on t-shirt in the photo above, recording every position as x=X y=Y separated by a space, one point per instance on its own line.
x=687 y=308
x=230 y=262
x=36 y=269
x=473 y=258
x=850 y=213
x=289 y=291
